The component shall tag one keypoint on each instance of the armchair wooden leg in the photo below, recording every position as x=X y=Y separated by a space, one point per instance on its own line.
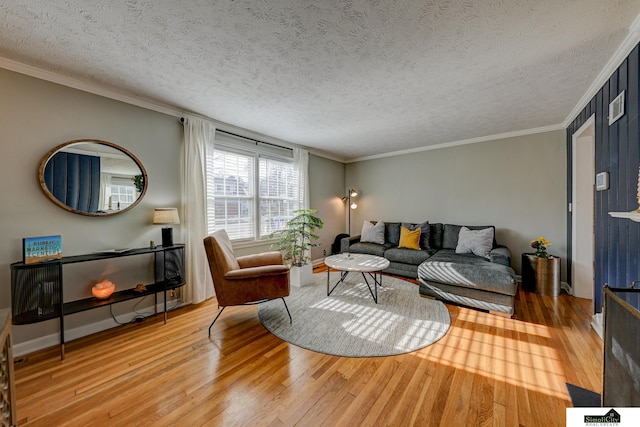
x=219 y=313
x=285 y=306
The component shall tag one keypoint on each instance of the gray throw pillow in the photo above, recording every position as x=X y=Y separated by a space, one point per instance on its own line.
x=392 y=233
x=477 y=242
x=372 y=233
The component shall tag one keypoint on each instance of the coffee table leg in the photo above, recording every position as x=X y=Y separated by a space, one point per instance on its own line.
x=343 y=275
x=375 y=285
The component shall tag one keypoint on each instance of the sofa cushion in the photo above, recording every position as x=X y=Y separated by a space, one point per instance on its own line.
x=500 y=255
x=402 y=269
x=372 y=232
x=410 y=239
x=425 y=232
x=435 y=236
x=369 y=248
x=484 y=300
x=477 y=242
x=392 y=233
x=406 y=256
x=346 y=243
x=451 y=232
x=468 y=270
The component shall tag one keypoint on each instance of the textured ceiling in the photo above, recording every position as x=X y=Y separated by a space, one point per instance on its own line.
x=349 y=77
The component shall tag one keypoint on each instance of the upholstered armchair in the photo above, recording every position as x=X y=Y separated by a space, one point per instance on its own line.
x=244 y=280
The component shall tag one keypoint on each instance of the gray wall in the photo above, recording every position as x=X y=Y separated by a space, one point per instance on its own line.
x=35 y=116
x=326 y=182
x=517 y=184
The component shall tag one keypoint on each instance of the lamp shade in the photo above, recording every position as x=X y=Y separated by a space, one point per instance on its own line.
x=166 y=216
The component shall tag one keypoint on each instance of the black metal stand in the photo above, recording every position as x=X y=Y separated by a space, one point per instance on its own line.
x=252 y=303
x=37 y=291
x=343 y=275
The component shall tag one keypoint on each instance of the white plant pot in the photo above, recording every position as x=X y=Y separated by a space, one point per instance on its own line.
x=301 y=276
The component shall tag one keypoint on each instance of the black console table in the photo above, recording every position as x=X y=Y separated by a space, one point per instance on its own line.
x=37 y=291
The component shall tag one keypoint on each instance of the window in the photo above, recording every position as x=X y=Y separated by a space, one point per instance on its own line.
x=122 y=196
x=278 y=194
x=250 y=195
x=119 y=192
x=230 y=194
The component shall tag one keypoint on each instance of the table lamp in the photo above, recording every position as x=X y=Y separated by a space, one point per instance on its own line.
x=166 y=216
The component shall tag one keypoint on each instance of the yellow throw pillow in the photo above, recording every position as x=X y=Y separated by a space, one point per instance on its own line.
x=410 y=238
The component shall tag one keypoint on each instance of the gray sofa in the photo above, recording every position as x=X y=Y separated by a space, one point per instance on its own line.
x=485 y=283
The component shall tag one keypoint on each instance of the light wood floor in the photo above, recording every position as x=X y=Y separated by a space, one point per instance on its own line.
x=487 y=370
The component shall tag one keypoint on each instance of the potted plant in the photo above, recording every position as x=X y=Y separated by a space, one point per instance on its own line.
x=138 y=182
x=294 y=242
x=540 y=245
x=541 y=271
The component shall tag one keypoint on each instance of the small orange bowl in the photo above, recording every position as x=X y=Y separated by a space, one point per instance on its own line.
x=103 y=289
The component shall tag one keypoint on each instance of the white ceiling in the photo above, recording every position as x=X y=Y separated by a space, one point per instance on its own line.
x=350 y=77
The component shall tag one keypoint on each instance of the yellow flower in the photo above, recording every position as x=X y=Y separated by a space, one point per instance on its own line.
x=540 y=245
x=541 y=241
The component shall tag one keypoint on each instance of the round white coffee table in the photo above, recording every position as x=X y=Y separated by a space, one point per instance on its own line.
x=357 y=263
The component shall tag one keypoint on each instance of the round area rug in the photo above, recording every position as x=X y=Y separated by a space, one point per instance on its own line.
x=349 y=323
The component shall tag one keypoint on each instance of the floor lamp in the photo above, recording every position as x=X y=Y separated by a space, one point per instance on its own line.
x=352 y=205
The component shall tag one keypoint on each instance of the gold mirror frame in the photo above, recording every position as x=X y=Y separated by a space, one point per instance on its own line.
x=49 y=194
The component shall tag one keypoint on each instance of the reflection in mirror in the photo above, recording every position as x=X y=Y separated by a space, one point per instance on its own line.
x=92 y=177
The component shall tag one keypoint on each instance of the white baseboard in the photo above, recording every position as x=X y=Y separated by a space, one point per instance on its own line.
x=82 y=331
x=596 y=324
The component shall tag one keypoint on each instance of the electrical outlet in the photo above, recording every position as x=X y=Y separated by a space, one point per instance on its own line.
x=324 y=252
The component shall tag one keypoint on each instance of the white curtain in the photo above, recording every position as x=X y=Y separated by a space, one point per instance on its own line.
x=199 y=135
x=301 y=160
x=105 y=191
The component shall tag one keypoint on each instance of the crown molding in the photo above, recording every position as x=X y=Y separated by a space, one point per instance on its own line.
x=93 y=88
x=627 y=45
x=524 y=132
x=99 y=90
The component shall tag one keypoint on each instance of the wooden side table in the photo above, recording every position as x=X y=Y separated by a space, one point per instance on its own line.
x=541 y=275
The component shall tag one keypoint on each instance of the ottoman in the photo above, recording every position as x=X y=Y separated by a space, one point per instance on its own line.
x=469 y=280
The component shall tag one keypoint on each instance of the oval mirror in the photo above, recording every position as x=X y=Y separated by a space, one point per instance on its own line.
x=92 y=177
